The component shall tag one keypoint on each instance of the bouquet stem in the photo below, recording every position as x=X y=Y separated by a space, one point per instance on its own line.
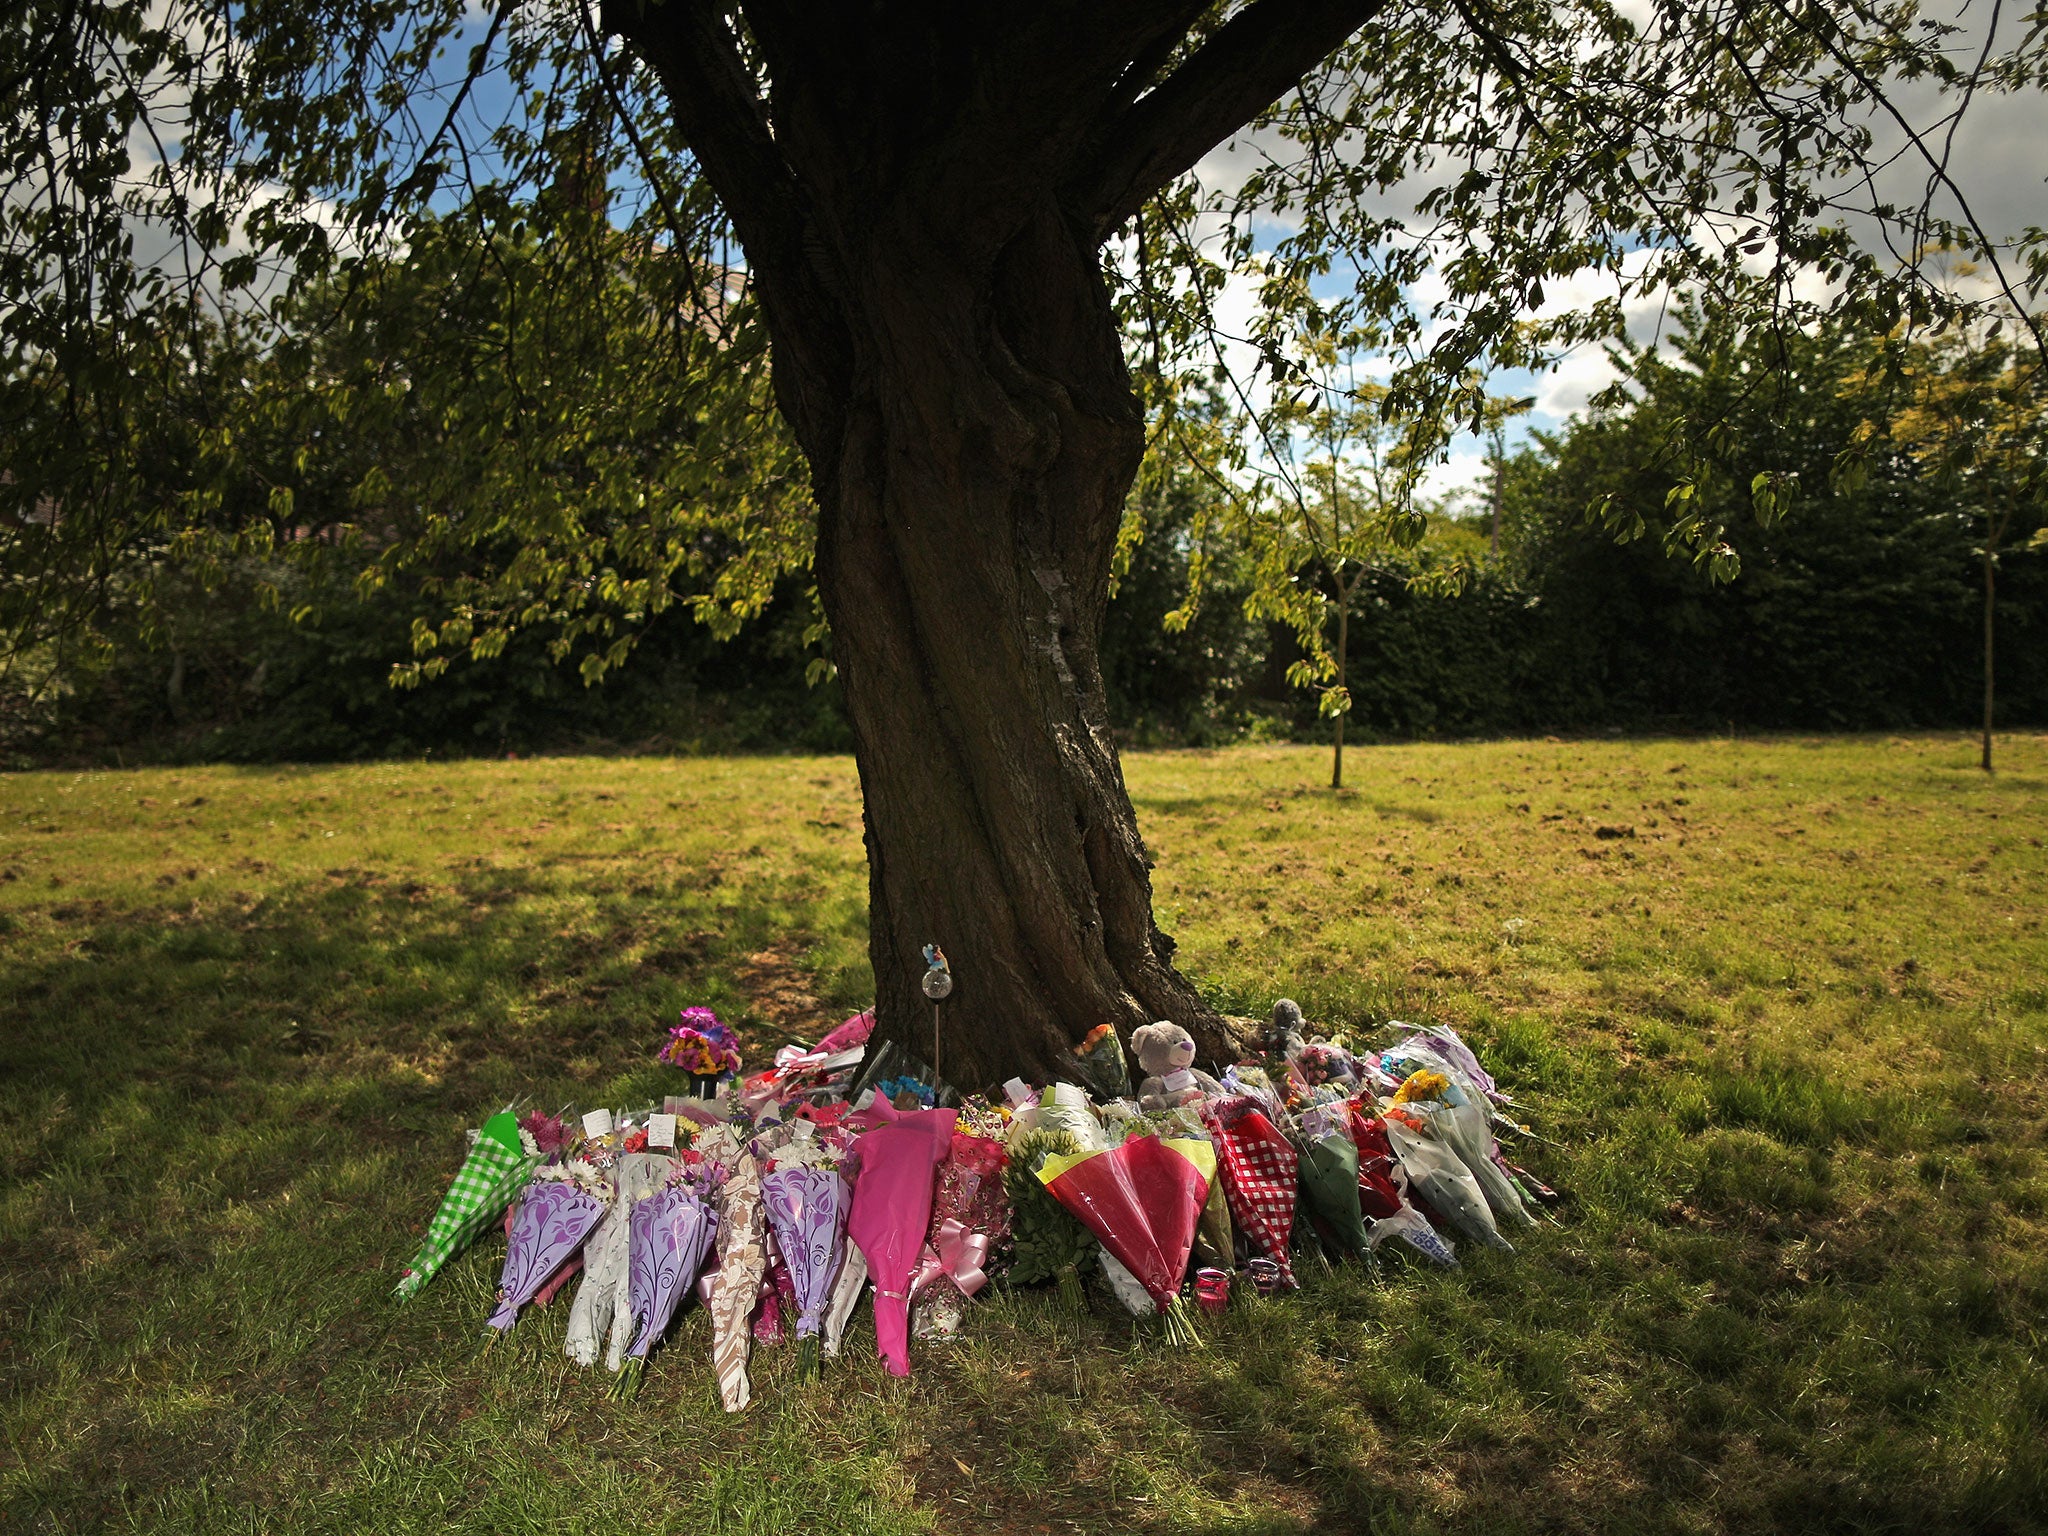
x=627 y=1385
x=807 y=1357
x=1070 y=1294
x=1180 y=1325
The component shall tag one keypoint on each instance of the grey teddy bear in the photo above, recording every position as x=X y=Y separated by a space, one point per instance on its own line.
x=1285 y=1035
x=1167 y=1053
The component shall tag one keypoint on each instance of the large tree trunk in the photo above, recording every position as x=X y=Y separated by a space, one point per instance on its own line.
x=969 y=513
x=921 y=192
x=970 y=469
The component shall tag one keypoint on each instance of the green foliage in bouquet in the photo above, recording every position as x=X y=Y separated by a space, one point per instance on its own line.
x=1050 y=1243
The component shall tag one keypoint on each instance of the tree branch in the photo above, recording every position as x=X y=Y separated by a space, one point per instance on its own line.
x=977 y=115
x=423 y=171
x=1244 y=68
x=693 y=51
x=689 y=46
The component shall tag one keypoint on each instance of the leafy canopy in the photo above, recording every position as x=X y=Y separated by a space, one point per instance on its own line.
x=1457 y=188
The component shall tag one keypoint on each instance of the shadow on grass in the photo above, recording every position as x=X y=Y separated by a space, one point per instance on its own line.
x=1260 y=803
x=503 y=980
x=221 y=1127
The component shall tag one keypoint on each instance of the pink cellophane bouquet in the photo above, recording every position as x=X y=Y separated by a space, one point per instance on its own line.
x=901 y=1152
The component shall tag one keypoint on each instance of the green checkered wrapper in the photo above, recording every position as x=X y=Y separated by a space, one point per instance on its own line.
x=485 y=1184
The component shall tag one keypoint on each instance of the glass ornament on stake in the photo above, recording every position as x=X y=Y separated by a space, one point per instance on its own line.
x=938 y=986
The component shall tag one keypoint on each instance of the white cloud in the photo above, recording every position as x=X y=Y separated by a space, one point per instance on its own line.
x=1463 y=475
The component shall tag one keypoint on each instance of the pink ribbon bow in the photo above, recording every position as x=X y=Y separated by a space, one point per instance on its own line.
x=960 y=1255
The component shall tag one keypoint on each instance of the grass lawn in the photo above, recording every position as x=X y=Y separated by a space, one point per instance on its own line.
x=1782 y=1005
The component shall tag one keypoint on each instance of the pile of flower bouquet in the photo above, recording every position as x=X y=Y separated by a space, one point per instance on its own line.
x=777 y=1201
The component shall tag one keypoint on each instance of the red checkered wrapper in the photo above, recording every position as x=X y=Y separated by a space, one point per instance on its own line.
x=1259 y=1176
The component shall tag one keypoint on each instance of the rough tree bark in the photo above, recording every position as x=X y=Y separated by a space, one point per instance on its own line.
x=922 y=195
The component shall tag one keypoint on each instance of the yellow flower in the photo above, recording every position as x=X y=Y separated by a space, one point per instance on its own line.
x=1422 y=1085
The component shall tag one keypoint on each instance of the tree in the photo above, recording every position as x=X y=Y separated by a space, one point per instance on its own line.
x=1853 y=609
x=444 y=455
x=1317 y=529
x=1977 y=419
x=1497 y=415
x=925 y=196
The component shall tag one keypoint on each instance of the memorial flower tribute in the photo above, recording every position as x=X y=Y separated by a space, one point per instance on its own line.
x=783 y=1198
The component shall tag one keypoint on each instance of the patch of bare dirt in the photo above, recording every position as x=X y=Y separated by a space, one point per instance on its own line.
x=778 y=988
